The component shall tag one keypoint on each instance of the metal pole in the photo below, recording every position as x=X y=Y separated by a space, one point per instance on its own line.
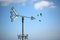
x=22 y=27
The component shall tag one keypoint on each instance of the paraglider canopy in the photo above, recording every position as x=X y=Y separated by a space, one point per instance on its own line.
x=39 y=14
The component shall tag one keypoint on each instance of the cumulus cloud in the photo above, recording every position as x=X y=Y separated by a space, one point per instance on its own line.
x=43 y=4
x=7 y=2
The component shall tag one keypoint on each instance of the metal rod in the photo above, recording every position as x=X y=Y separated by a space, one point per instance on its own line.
x=22 y=27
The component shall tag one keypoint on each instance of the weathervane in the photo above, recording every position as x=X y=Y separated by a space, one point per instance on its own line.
x=15 y=15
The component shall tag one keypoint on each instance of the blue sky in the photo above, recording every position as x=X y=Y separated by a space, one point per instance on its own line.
x=47 y=29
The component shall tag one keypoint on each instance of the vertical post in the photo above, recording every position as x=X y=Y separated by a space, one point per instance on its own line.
x=22 y=27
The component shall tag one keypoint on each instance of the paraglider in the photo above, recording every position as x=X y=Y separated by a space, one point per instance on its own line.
x=39 y=16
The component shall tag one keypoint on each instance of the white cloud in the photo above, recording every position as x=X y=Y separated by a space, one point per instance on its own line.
x=43 y=4
x=7 y=2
